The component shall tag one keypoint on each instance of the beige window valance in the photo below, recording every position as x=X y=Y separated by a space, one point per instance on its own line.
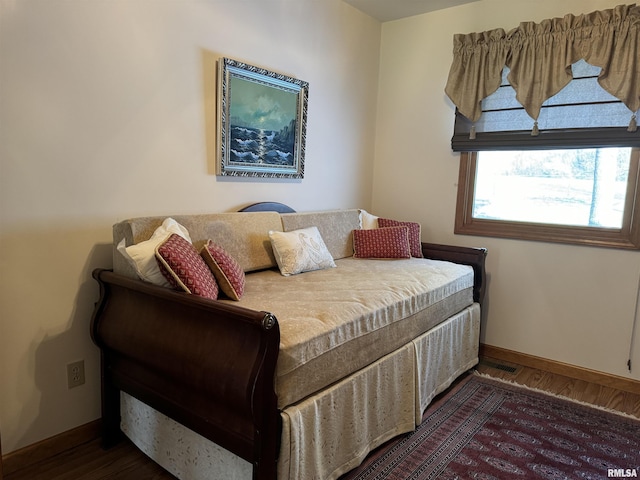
x=540 y=55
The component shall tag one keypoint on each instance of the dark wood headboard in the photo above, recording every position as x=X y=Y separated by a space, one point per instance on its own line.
x=268 y=207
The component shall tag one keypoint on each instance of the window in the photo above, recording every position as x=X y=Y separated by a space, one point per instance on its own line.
x=547 y=126
x=575 y=181
x=584 y=196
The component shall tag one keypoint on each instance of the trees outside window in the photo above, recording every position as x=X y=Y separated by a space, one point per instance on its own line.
x=584 y=196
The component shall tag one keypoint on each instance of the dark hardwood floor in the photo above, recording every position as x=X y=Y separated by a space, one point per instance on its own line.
x=126 y=462
x=90 y=462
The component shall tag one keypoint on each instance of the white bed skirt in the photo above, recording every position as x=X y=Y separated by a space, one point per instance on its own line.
x=326 y=435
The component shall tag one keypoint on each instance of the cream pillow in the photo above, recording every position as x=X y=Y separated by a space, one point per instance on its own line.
x=367 y=220
x=300 y=251
x=142 y=256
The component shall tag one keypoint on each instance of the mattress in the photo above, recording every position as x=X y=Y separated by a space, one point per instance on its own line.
x=336 y=321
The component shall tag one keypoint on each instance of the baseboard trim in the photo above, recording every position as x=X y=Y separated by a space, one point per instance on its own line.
x=572 y=371
x=50 y=447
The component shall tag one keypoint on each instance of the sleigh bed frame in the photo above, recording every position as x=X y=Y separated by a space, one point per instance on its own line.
x=207 y=364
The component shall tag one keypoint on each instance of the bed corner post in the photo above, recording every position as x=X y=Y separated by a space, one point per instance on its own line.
x=111 y=433
x=268 y=421
x=110 y=395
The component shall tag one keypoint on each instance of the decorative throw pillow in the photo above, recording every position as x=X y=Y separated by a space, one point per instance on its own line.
x=142 y=256
x=226 y=270
x=388 y=242
x=184 y=268
x=415 y=240
x=367 y=220
x=300 y=251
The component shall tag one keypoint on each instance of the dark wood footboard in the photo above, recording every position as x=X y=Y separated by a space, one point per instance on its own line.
x=475 y=257
x=206 y=364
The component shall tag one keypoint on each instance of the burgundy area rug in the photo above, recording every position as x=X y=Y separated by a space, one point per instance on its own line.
x=488 y=429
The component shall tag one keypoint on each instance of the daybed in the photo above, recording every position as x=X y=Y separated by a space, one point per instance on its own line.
x=304 y=373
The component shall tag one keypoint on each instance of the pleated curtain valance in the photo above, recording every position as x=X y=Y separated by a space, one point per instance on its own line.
x=540 y=56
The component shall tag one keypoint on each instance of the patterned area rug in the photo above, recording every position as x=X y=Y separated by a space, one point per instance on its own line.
x=487 y=429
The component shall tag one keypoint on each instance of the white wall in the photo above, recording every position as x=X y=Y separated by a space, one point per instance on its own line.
x=107 y=111
x=567 y=303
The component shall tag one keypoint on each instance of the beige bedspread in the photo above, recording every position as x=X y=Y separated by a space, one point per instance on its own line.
x=362 y=310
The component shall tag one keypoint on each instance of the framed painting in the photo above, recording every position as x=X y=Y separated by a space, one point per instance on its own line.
x=262 y=119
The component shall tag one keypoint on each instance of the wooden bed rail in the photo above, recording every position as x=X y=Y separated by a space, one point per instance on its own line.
x=473 y=256
x=207 y=364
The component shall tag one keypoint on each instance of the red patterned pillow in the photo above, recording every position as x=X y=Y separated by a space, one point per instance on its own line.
x=389 y=242
x=225 y=268
x=181 y=265
x=415 y=241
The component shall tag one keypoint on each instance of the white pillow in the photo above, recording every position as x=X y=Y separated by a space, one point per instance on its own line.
x=300 y=251
x=367 y=220
x=142 y=256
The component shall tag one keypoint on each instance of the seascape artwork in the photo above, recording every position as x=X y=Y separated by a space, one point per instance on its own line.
x=262 y=124
x=262 y=120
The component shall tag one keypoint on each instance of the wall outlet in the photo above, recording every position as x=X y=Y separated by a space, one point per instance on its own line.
x=75 y=374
